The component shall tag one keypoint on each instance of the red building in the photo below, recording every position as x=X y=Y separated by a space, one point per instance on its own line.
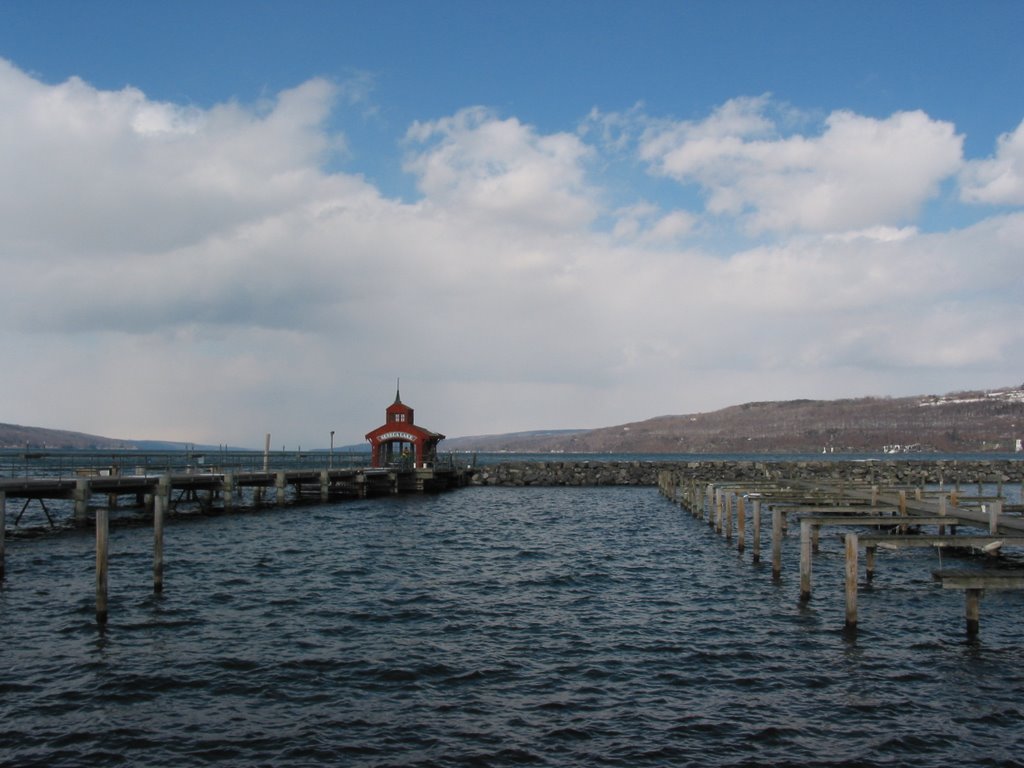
x=400 y=441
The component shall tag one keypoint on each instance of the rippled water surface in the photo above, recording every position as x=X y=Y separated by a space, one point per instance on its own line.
x=491 y=627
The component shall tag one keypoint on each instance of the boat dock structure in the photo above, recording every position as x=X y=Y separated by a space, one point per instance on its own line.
x=159 y=495
x=869 y=518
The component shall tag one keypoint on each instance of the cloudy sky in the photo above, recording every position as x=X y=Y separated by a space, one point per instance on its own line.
x=220 y=219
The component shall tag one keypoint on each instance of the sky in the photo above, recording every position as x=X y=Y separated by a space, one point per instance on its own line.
x=222 y=219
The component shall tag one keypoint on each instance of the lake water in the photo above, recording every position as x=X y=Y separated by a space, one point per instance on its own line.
x=492 y=627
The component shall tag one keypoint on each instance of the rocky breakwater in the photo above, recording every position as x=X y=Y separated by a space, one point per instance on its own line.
x=642 y=473
x=569 y=473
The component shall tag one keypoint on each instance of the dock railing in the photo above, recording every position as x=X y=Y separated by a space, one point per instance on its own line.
x=29 y=463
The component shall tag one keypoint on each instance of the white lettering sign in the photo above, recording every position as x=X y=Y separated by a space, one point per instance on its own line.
x=396 y=436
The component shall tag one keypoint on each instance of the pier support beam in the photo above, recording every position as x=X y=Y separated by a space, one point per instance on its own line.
x=280 y=483
x=161 y=500
x=757 y=531
x=229 y=490
x=851 y=581
x=102 y=538
x=995 y=509
x=777 y=523
x=805 y=560
x=3 y=531
x=325 y=485
x=741 y=523
x=972 y=611
x=83 y=490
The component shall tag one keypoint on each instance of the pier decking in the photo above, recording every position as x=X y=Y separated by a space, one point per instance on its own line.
x=158 y=494
x=895 y=520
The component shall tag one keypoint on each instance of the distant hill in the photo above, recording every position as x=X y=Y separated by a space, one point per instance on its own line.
x=39 y=438
x=961 y=422
x=990 y=420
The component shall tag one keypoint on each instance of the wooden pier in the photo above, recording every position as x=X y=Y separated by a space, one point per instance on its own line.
x=159 y=494
x=896 y=518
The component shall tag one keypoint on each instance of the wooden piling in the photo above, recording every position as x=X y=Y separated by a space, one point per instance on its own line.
x=3 y=531
x=805 y=560
x=82 y=493
x=160 y=503
x=756 y=556
x=994 y=511
x=102 y=538
x=229 y=490
x=280 y=482
x=851 y=581
x=972 y=611
x=777 y=542
x=741 y=523
x=728 y=515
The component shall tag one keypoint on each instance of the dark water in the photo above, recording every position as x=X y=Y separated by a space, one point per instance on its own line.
x=491 y=627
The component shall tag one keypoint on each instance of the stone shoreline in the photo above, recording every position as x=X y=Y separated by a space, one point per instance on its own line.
x=645 y=473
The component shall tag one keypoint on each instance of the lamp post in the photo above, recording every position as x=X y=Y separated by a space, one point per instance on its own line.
x=331 y=463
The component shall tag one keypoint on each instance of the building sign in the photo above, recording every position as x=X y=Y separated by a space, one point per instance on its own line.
x=396 y=436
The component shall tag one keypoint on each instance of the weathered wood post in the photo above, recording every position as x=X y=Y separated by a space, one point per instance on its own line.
x=995 y=509
x=718 y=510
x=851 y=581
x=102 y=538
x=228 y=484
x=325 y=485
x=82 y=492
x=972 y=611
x=3 y=531
x=160 y=503
x=805 y=560
x=757 y=530
x=728 y=516
x=741 y=523
x=776 y=543
x=279 y=483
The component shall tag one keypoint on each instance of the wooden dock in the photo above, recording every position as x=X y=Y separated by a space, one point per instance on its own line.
x=895 y=519
x=157 y=495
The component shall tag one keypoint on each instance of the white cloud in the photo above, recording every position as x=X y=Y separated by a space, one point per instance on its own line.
x=997 y=180
x=196 y=274
x=481 y=165
x=646 y=223
x=110 y=172
x=859 y=172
